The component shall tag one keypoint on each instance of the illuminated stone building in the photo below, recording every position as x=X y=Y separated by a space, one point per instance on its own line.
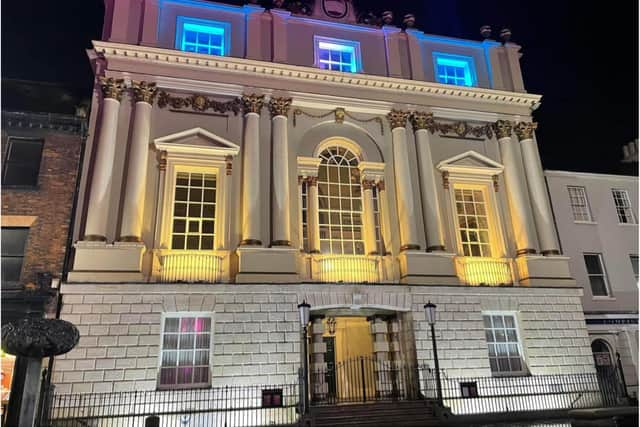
x=597 y=217
x=241 y=161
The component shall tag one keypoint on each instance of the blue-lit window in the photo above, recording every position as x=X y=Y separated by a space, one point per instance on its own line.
x=337 y=55
x=454 y=69
x=202 y=36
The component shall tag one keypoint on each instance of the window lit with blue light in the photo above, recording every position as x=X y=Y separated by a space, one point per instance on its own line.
x=337 y=55
x=454 y=69
x=202 y=36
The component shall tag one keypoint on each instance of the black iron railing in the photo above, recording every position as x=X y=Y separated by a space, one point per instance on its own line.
x=213 y=407
x=480 y=395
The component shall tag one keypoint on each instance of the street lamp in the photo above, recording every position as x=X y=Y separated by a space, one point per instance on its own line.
x=430 y=312
x=303 y=309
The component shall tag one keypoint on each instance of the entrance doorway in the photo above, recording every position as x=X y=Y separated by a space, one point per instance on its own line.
x=609 y=378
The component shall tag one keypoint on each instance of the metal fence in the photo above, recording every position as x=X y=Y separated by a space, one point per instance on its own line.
x=481 y=395
x=234 y=406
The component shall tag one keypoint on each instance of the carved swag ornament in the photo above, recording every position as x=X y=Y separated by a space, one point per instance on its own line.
x=198 y=103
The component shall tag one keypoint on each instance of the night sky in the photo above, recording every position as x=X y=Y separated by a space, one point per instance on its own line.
x=582 y=58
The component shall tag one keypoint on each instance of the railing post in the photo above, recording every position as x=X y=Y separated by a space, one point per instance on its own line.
x=364 y=385
x=621 y=373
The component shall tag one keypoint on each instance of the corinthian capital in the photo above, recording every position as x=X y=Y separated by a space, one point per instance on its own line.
x=279 y=106
x=252 y=103
x=111 y=88
x=144 y=91
x=397 y=118
x=503 y=128
x=422 y=120
x=524 y=130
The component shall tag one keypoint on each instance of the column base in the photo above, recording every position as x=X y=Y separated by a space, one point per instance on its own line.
x=409 y=247
x=438 y=248
x=286 y=243
x=526 y=251
x=94 y=238
x=550 y=252
x=427 y=268
x=102 y=262
x=251 y=242
x=539 y=270
x=130 y=239
x=267 y=265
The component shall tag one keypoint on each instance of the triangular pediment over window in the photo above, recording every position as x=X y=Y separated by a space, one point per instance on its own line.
x=471 y=162
x=196 y=141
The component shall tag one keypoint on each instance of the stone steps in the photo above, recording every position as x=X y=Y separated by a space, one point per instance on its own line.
x=414 y=413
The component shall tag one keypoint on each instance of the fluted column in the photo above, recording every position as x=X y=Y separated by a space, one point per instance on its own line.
x=99 y=192
x=423 y=124
x=404 y=186
x=133 y=209
x=537 y=189
x=279 y=108
x=516 y=191
x=313 y=226
x=385 y=222
x=368 y=218
x=251 y=209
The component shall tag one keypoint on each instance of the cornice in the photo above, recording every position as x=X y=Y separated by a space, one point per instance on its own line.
x=241 y=66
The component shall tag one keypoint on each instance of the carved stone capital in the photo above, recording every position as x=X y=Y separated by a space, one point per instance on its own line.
x=229 y=165
x=279 y=106
x=144 y=91
x=503 y=128
x=524 y=130
x=312 y=181
x=252 y=103
x=397 y=118
x=445 y=180
x=380 y=185
x=422 y=120
x=368 y=184
x=111 y=88
x=162 y=160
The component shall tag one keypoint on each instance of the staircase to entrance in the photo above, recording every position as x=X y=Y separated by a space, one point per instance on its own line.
x=377 y=414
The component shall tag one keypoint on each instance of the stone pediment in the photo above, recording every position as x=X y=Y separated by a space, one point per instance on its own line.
x=196 y=141
x=471 y=162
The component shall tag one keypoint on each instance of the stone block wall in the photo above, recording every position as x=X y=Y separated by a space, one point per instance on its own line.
x=256 y=336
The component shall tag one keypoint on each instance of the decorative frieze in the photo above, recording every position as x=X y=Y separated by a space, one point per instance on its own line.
x=339 y=115
x=199 y=103
x=144 y=91
x=279 y=106
x=464 y=129
x=524 y=130
x=111 y=88
x=398 y=118
x=252 y=103
x=503 y=128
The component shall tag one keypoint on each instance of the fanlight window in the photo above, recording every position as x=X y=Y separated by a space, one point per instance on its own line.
x=340 y=202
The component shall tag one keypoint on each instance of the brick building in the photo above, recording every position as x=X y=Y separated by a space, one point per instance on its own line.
x=43 y=131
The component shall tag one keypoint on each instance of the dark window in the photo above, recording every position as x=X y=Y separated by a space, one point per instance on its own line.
x=13 y=243
x=469 y=389
x=22 y=163
x=272 y=398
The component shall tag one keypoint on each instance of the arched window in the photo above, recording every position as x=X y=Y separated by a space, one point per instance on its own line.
x=340 y=202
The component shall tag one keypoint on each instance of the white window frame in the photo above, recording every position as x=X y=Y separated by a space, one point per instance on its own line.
x=635 y=260
x=354 y=46
x=603 y=273
x=580 y=193
x=224 y=26
x=520 y=344
x=626 y=205
x=469 y=66
x=179 y=314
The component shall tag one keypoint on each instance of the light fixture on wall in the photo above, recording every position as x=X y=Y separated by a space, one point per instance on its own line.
x=331 y=325
x=430 y=313
x=305 y=312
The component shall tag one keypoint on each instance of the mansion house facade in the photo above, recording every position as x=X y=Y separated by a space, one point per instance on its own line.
x=241 y=161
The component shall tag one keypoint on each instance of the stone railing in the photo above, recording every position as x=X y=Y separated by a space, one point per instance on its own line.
x=485 y=271
x=346 y=268
x=190 y=266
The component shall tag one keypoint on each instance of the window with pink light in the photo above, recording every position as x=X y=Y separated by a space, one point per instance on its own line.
x=185 y=359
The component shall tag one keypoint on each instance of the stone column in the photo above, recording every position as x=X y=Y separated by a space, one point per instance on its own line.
x=319 y=388
x=516 y=190
x=99 y=192
x=301 y=182
x=385 y=223
x=133 y=209
x=313 y=225
x=251 y=209
x=423 y=124
x=537 y=189
x=379 y=329
x=404 y=186
x=279 y=108
x=368 y=218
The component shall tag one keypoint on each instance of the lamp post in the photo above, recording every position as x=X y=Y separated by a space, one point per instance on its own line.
x=304 y=309
x=430 y=311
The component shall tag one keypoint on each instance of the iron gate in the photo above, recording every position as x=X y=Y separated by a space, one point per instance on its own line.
x=363 y=379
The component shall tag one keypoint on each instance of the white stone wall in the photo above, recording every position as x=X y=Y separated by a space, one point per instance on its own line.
x=256 y=329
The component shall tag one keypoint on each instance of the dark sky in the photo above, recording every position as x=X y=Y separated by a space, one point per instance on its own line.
x=582 y=58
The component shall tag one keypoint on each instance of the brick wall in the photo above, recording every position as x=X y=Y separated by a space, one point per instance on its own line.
x=256 y=329
x=51 y=201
